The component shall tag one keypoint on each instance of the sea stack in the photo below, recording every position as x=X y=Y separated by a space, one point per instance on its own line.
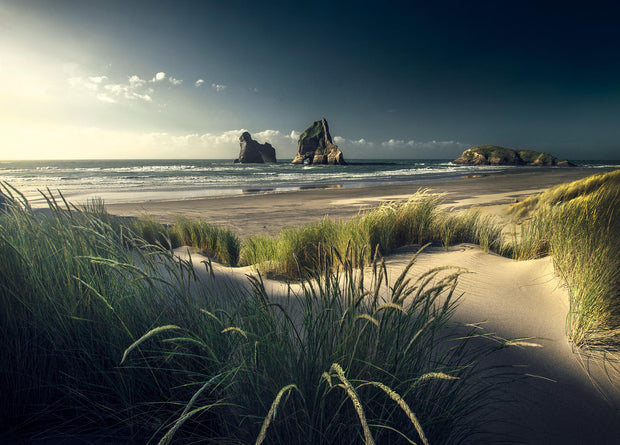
x=496 y=155
x=254 y=153
x=315 y=145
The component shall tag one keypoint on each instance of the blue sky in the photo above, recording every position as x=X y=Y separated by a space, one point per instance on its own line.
x=183 y=79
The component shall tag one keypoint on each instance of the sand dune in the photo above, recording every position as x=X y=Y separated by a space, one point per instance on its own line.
x=566 y=398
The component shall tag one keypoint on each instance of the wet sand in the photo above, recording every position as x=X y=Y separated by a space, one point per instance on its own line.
x=269 y=213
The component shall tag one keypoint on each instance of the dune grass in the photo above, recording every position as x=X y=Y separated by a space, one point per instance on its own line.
x=220 y=243
x=565 y=192
x=338 y=361
x=392 y=225
x=296 y=250
x=579 y=225
x=74 y=291
x=105 y=333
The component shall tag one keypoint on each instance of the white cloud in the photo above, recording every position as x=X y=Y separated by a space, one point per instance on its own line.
x=109 y=92
x=218 y=87
x=117 y=88
x=98 y=79
x=399 y=148
x=144 y=97
x=159 y=77
x=199 y=82
x=136 y=81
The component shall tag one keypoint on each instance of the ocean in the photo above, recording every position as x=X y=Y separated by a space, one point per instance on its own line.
x=141 y=180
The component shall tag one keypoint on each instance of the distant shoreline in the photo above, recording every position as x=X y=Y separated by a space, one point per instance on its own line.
x=137 y=181
x=269 y=213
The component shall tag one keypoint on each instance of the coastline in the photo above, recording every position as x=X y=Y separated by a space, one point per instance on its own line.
x=553 y=393
x=268 y=213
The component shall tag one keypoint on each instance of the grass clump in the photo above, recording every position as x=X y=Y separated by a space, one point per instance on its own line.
x=584 y=245
x=336 y=361
x=74 y=291
x=579 y=225
x=392 y=225
x=220 y=243
x=565 y=192
x=470 y=227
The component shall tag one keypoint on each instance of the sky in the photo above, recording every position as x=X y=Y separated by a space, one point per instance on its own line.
x=419 y=79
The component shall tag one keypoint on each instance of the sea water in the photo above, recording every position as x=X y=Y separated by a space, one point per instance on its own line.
x=140 y=180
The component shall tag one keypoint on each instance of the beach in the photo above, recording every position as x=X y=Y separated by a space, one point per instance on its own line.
x=268 y=213
x=565 y=397
x=550 y=392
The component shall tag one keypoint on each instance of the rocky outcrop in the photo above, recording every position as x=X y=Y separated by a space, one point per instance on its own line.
x=253 y=152
x=315 y=145
x=496 y=155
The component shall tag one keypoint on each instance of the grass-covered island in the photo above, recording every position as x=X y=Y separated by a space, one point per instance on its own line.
x=109 y=336
x=496 y=155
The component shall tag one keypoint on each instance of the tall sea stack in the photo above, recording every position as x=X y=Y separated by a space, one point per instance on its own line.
x=315 y=144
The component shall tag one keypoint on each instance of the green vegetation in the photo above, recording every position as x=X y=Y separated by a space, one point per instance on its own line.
x=313 y=131
x=392 y=225
x=107 y=334
x=221 y=244
x=565 y=192
x=505 y=155
x=74 y=292
x=579 y=224
x=536 y=157
x=548 y=224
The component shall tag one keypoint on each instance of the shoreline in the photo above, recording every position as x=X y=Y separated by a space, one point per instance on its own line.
x=269 y=213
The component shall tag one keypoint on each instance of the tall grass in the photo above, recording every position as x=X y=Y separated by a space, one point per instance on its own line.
x=584 y=245
x=73 y=292
x=220 y=243
x=107 y=334
x=579 y=225
x=565 y=192
x=470 y=227
x=392 y=225
x=338 y=361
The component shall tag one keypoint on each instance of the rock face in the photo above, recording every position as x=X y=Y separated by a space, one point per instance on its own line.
x=496 y=155
x=254 y=153
x=315 y=144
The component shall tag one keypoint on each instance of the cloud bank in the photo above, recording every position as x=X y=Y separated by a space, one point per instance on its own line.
x=73 y=142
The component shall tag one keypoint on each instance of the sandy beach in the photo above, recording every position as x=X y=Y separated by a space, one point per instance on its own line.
x=566 y=397
x=269 y=213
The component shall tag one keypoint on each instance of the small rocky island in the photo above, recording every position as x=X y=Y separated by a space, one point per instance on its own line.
x=253 y=152
x=315 y=145
x=496 y=155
